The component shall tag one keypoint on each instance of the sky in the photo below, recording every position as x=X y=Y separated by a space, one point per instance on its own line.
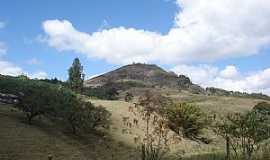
x=219 y=43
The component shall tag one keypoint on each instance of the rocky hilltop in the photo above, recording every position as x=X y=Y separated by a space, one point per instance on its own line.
x=147 y=75
x=153 y=76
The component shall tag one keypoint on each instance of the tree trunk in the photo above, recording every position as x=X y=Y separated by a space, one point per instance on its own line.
x=227 y=148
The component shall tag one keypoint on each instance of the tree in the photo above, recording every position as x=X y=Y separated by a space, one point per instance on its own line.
x=54 y=101
x=186 y=118
x=245 y=131
x=155 y=144
x=35 y=99
x=76 y=76
x=84 y=116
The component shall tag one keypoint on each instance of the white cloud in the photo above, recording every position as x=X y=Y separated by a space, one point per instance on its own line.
x=7 y=68
x=38 y=75
x=228 y=78
x=229 y=72
x=203 y=32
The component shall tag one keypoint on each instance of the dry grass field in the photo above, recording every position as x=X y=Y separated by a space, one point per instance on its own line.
x=20 y=141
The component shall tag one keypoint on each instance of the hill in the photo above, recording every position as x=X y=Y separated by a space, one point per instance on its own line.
x=47 y=137
x=151 y=76
x=145 y=75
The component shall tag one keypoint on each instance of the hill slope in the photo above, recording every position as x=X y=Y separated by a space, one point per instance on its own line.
x=145 y=75
x=152 y=76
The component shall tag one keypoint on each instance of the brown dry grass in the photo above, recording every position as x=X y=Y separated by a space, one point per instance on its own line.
x=18 y=140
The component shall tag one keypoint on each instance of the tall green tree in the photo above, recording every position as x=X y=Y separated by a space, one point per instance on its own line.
x=76 y=76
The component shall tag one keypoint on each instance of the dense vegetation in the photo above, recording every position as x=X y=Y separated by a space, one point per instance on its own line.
x=39 y=98
x=186 y=119
x=222 y=92
x=108 y=92
x=245 y=133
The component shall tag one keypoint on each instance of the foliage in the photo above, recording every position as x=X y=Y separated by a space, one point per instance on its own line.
x=154 y=102
x=84 y=116
x=107 y=92
x=35 y=99
x=128 y=97
x=155 y=144
x=244 y=133
x=76 y=76
x=262 y=108
x=54 y=101
x=222 y=92
x=186 y=118
x=55 y=81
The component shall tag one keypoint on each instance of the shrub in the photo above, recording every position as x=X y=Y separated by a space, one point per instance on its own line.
x=36 y=100
x=262 y=108
x=186 y=118
x=155 y=143
x=128 y=97
x=85 y=117
x=244 y=133
x=102 y=92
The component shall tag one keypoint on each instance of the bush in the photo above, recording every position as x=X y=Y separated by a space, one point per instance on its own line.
x=36 y=100
x=262 y=108
x=102 y=92
x=128 y=97
x=155 y=143
x=186 y=118
x=244 y=133
x=84 y=116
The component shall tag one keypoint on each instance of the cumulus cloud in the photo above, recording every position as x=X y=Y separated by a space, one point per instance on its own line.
x=7 y=68
x=228 y=78
x=203 y=32
x=38 y=75
x=229 y=72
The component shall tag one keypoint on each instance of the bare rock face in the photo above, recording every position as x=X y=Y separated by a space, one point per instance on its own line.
x=144 y=75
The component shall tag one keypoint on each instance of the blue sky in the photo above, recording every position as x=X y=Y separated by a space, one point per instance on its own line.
x=24 y=24
x=223 y=44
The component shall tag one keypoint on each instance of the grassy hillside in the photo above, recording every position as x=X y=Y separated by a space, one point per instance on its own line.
x=20 y=141
x=43 y=138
